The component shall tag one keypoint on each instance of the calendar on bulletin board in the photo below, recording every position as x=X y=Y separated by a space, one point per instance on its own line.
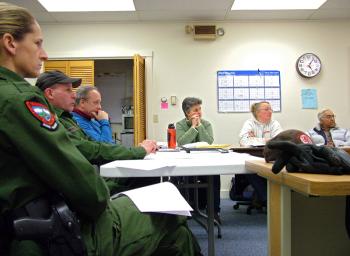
x=237 y=90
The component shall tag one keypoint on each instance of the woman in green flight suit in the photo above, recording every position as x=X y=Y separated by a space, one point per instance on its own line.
x=38 y=159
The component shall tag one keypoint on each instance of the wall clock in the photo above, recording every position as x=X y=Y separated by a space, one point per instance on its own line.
x=308 y=65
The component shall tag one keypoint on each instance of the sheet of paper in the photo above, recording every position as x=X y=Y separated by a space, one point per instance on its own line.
x=138 y=165
x=162 y=197
x=196 y=144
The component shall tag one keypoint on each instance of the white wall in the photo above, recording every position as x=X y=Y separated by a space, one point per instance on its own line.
x=185 y=67
x=113 y=78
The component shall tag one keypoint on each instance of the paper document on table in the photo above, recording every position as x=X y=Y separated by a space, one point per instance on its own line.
x=216 y=146
x=206 y=145
x=138 y=165
x=196 y=144
x=258 y=144
x=161 y=197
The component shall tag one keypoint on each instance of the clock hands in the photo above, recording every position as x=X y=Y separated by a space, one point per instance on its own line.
x=309 y=65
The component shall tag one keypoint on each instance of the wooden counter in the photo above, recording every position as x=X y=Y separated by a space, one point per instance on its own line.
x=305 y=225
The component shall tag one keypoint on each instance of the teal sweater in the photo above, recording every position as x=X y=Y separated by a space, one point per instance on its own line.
x=186 y=134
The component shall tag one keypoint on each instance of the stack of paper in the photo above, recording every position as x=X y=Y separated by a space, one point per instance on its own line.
x=162 y=197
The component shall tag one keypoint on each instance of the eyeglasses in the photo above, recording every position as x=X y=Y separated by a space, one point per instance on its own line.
x=266 y=109
x=329 y=116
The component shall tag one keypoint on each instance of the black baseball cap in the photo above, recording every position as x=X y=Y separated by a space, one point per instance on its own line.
x=50 y=78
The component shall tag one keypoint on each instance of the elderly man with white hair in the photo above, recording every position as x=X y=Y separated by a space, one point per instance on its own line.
x=327 y=132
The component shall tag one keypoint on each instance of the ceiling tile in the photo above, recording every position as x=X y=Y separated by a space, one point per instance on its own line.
x=94 y=16
x=266 y=15
x=142 y=5
x=181 y=15
x=187 y=10
x=338 y=4
x=331 y=14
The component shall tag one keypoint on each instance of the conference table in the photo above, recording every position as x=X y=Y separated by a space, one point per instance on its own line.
x=306 y=212
x=180 y=163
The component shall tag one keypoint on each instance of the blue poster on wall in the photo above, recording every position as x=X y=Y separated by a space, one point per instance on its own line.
x=309 y=98
x=237 y=90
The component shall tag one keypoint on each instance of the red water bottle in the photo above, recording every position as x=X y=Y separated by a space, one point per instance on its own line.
x=171 y=136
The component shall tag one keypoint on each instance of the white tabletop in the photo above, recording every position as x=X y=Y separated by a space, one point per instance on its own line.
x=196 y=163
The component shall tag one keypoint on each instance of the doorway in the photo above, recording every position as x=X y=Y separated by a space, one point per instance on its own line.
x=114 y=80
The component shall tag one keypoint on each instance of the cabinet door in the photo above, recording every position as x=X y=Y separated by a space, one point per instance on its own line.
x=83 y=69
x=139 y=100
x=61 y=65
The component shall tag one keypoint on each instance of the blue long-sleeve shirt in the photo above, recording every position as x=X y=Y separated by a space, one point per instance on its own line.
x=99 y=130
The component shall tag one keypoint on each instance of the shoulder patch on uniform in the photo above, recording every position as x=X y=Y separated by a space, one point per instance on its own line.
x=43 y=114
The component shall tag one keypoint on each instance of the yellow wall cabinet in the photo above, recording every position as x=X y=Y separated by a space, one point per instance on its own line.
x=83 y=69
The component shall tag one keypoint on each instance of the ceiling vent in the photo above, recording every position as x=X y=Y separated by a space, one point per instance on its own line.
x=202 y=32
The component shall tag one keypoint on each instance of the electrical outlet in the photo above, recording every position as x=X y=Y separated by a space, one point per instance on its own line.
x=173 y=100
x=155 y=119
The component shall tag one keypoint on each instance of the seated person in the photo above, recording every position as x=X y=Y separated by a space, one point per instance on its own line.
x=257 y=131
x=90 y=116
x=58 y=90
x=260 y=128
x=326 y=132
x=39 y=161
x=193 y=128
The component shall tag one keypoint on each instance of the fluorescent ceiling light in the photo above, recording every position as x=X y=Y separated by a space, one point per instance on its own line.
x=276 y=4
x=87 y=5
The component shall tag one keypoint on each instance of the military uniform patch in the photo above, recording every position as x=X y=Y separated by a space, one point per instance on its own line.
x=43 y=114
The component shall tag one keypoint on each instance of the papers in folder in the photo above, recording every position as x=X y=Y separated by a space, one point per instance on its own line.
x=205 y=145
x=162 y=197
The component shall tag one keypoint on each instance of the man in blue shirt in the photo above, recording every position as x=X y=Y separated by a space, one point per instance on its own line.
x=89 y=115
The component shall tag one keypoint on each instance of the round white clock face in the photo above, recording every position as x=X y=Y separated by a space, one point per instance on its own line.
x=308 y=65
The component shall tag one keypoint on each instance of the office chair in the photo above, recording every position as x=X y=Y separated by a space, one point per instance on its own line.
x=241 y=191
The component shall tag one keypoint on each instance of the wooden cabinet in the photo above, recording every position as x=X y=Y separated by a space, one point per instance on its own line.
x=83 y=69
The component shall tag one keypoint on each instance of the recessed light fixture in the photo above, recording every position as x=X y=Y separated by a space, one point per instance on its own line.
x=87 y=5
x=276 y=4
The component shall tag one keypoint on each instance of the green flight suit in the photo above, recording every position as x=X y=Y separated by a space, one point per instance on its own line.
x=99 y=153
x=38 y=158
x=94 y=151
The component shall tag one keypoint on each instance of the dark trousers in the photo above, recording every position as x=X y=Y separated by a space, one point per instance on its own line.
x=202 y=192
x=260 y=186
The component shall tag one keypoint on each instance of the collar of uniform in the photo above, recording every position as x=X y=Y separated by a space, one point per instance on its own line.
x=8 y=74
x=60 y=112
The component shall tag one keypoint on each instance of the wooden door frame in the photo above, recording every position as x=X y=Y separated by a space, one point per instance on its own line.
x=148 y=55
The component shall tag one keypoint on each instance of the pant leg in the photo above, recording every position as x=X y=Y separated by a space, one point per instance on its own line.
x=216 y=188
x=26 y=248
x=260 y=186
x=175 y=244
x=123 y=230
x=202 y=193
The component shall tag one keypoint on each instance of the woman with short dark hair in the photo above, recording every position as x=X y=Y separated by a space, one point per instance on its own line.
x=193 y=128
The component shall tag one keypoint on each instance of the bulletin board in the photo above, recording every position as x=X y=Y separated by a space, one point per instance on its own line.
x=237 y=90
